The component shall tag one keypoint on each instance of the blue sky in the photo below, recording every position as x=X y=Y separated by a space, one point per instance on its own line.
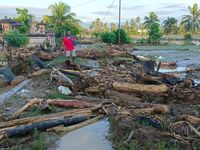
x=98 y=8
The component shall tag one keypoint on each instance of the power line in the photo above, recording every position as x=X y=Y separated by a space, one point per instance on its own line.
x=109 y=9
x=82 y=4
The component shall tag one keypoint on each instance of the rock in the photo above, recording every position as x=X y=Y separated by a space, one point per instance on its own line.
x=64 y=90
x=3 y=81
x=17 y=80
x=7 y=74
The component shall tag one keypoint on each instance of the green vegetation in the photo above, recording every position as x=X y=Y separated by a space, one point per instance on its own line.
x=38 y=143
x=150 y=20
x=170 y=26
x=23 y=17
x=15 y=39
x=192 y=22
x=56 y=96
x=112 y=37
x=154 y=33
x=168 y=47
x=62 y=20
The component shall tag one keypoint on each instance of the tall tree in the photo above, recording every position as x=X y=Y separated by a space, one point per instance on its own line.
x=62 y=19
x=191 y=22
x=170 y=26
x=105 y=27
x=151 y=19
x=112 y=26
x=126 y=26
x=96 y=26
x=133 y=26
x=23 y=17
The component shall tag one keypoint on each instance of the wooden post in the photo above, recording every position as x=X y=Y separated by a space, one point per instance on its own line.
x=119 y=39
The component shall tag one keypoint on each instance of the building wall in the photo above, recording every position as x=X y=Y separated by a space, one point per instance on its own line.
x=34 y=41
x=6 y=27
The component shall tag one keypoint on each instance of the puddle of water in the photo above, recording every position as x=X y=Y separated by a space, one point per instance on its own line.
x=91 y=137
x=174 y=69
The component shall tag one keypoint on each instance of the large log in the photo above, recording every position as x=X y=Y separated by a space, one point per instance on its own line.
x=42 y=126
x=60 y=77
x=39 y=62
x=86 y=111
x=70 y=103
x=62 y=129
x=139 y=88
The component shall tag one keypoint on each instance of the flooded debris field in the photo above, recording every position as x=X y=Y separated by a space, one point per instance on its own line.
x=65 y=100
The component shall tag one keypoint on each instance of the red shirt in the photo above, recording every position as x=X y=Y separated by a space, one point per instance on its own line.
x=68 y=43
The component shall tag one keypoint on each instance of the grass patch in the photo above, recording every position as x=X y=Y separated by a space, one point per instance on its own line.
x=35 y=111
x=38 y=143
x=57 y=96
x=57 y=61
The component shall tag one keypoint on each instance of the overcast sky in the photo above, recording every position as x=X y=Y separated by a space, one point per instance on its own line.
x=88 y=10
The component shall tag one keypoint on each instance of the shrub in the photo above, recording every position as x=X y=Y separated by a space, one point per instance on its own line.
x=108 y=37
x=112 y=37
x=15 y=39
x=188 y=37
x=123 y=36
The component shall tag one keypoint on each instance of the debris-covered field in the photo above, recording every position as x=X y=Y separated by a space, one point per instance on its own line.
x=147 y=109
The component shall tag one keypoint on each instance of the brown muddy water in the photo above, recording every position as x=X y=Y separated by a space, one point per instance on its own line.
x=91 y=137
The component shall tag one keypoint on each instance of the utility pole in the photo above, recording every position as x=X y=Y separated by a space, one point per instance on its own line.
x=119 y=28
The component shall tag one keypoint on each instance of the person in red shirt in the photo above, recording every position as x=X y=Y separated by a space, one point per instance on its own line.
x=70 y=42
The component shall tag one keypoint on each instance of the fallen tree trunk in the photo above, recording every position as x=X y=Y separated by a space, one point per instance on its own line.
x=62 y=129
x=39 y=62
x=137 y=88
x=151 y=110
x=70 y=104
x=29 y=120
x=60 y=77
x=21 y=131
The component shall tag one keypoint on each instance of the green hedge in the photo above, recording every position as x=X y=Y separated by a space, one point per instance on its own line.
x=15 y=39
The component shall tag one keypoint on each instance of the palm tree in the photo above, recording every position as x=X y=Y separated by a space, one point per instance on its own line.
x=170 y=25
x=191 y=22
x=151 y=19
x=112 y=26
x=61 y=18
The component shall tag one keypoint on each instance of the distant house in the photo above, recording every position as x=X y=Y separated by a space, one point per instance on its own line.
x=8 y=24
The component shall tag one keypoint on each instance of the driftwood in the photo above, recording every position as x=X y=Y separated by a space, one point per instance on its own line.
x=126 y=87
x=91 y=99
x=192 y=119
x=71 y=72
x=24 y=130
x=148 y=110
x=13 y=91
x=60 y=77
x=39 y=62
x=40 y=72
x=24 y=108
x=70 y=103
x=29 y=120
x=168 y=64
x=61 y=129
